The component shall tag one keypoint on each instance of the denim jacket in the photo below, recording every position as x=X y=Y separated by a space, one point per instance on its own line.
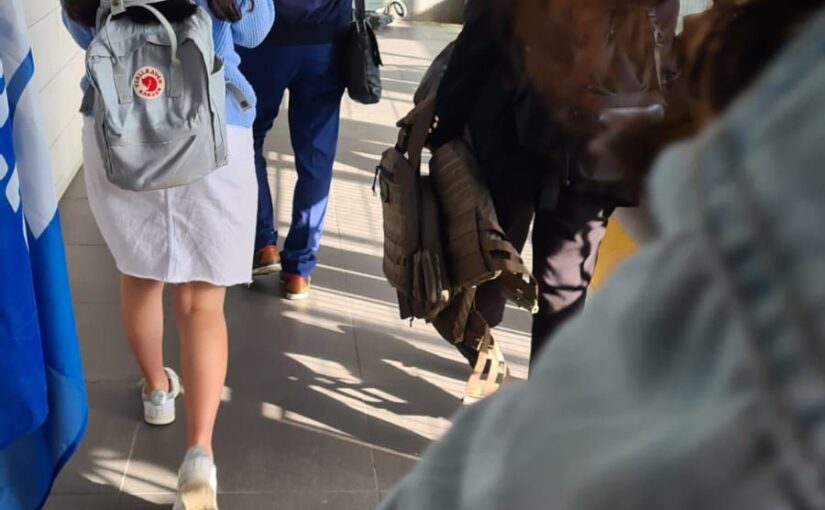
x=696 y=378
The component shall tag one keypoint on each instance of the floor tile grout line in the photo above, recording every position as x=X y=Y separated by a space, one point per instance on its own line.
x=129 y=458
x=220 y=492
x=377 y=484
x=349 y=279
x=368 y=413
x=245 y=493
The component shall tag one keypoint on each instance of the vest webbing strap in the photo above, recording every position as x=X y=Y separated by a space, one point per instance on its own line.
x=415 y=129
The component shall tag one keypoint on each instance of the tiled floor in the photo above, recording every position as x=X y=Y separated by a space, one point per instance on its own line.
x=328 y=403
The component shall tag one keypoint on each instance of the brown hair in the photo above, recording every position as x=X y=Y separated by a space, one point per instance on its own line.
x=85 y=11
x=721 y=52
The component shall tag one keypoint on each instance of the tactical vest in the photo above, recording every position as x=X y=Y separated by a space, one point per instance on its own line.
x=442 y=239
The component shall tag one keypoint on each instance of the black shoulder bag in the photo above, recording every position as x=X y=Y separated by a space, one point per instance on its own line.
x=363 y=72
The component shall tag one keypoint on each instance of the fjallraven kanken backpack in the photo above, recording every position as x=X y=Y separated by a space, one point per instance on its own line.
x=159 y=97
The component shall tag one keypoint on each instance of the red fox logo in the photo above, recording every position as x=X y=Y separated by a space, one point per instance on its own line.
x=148 y=83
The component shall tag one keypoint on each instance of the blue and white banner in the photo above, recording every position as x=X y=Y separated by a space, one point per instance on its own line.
x=43 y=408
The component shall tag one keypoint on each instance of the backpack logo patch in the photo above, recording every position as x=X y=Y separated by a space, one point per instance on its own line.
x=148 y=83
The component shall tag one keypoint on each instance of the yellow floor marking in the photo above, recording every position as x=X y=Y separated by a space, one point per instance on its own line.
x=616 y=247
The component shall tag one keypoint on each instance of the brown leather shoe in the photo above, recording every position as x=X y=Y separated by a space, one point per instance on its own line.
x=267 y=261
x=294 y=287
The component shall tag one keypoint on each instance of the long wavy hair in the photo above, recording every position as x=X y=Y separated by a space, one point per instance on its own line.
x=720 y=52
x=85 y=11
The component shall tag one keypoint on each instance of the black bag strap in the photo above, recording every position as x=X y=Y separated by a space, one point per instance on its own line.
x=360 y=12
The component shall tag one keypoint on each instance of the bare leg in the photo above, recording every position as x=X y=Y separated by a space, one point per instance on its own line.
x=203 y=340
x=141 y=308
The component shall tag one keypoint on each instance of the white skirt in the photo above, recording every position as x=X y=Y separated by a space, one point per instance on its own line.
x=201 y=232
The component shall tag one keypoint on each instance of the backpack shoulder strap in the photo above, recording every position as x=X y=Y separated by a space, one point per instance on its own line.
x=415 y=129
x=119 y=6
x=115 y=7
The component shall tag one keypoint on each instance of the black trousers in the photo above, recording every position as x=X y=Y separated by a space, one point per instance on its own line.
x=566 y=242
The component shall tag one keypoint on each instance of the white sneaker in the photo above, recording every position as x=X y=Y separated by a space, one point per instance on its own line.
x=159 y=405
x=197 y=482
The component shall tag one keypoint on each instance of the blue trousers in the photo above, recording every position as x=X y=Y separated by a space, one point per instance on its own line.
x=313 y=76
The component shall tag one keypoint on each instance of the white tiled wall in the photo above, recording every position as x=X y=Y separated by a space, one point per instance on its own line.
x=58 y=68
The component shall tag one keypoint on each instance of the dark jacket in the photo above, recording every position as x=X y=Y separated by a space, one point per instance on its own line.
x=458 y=91
x=485 y=90
x=310 y=21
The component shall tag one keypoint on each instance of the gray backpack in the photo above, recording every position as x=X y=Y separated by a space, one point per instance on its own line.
x=159 y=98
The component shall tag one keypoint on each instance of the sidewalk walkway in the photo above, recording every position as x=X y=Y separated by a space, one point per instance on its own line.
x=328 y=403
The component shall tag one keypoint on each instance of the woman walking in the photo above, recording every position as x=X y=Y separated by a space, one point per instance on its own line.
x=198 y=238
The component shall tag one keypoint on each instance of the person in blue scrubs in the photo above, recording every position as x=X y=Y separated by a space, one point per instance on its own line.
x=304 y=53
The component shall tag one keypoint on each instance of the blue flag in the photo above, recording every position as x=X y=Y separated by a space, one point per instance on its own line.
x=43 y=408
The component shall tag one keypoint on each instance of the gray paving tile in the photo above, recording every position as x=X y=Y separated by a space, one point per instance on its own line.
x=296 y=459
x=321 y=500
x=273 y=342
x=128 y=501
x=390 y=469
x=145 y=502
x=77 y=188
x=421 y=377
x=302 y=397
x=301 y=501
x=98 y=466
x=103 y=347
x=361 y=138
x=365 y=277
x=399 y=435
x=417 y=391
x=78 y=223
x=75 y=502
x=106 y=355
x=93 y=274
x=280 y=428
x=398 y=85
x=258 y=449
